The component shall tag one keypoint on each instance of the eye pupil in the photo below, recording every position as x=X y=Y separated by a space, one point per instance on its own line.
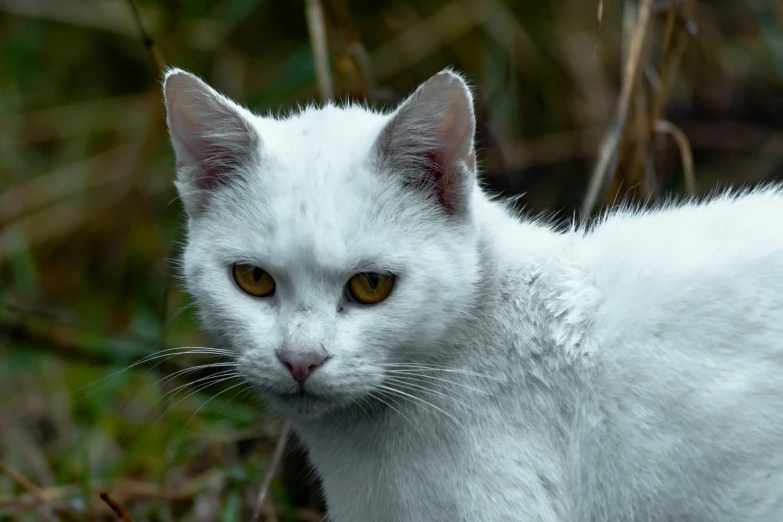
x=254 y=280
x=370 y=287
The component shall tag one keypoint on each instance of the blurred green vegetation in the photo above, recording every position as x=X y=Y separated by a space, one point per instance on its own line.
x=90 y=224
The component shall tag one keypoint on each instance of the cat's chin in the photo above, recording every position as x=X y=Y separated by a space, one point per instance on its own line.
x=304 y=405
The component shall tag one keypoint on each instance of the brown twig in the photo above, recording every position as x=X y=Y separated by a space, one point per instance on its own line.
x=149 y=42
x=117 y=508
x=271 y=471
x=317 y=29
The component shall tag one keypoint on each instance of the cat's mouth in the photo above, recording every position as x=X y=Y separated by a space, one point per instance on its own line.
x=300 y=395
x=303 y=402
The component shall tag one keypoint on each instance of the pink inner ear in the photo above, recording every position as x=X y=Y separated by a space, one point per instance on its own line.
x=207 y=179
x=454 y=137
x=444 y=184
x=211 y=158
x=194 y=152
x=193 y=147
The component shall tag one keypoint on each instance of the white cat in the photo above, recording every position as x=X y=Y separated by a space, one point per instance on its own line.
x=446 y=360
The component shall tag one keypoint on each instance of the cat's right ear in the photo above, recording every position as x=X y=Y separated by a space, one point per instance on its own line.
x=428 y=141
x=212 y=137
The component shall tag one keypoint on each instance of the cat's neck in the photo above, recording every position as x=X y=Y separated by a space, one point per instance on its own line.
x=525 y=310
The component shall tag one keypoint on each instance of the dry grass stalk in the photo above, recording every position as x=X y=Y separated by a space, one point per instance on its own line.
x=686 y=155
x=149 y=42
x=670 y=59
x=271 y=471
x=126 y=488
x=317 y=29
x=599 y=13
x=22 y=482
x=35 y=491
x=675 y=41
x=625 y=155
x=356 y=59
x=610 y=144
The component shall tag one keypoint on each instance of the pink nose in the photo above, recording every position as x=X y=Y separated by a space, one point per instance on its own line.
x=300 y=364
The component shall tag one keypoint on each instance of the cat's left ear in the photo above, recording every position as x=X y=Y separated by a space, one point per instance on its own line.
x=212 y=136
x=429 y=141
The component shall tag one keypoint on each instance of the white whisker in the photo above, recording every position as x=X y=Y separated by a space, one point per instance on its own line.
x=176 y=444
x=379 y=399
x=426 y=367
x=167 y=353
x=215 y=380
x=429 y=390
x=177 y=314
x=425 y=377
x=164 y=380
x=414 y=398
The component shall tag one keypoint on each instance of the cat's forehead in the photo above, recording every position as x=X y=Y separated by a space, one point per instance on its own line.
x=319 y=200
x=318 y=167
x=317 y=231
x=321 y=136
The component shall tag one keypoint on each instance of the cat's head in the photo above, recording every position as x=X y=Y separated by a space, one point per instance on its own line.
x=328 y=246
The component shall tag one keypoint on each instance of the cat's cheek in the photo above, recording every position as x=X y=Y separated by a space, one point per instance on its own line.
x=260 y=368
x=357 y=346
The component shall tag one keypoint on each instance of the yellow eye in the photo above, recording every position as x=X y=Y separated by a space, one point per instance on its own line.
x=253 y=280
x=370 y=288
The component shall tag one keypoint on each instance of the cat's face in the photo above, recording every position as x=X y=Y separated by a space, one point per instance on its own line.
x=330 y=246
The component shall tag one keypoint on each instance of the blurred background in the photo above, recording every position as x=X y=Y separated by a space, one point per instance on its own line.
x=580 y=103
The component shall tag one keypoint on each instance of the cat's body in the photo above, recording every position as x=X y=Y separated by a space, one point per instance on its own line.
x=632 y=371
x=645 y=382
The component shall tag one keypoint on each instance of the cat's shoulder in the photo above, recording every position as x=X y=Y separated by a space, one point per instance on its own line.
x=719 y=213
x=685 y=260
x=687 y=232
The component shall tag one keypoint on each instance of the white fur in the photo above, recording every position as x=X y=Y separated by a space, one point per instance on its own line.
x=632 y=371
